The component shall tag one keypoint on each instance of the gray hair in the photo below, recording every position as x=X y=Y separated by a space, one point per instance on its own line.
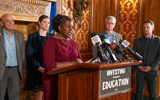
x=111 y=18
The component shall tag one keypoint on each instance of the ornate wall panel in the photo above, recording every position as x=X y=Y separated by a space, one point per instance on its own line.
x=23 y=10
x=128 y=20
x=80 y=35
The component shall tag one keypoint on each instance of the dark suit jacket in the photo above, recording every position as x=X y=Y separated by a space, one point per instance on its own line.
x=20 y=49
x=117 y=37
x=153 y=57
x=34 y=50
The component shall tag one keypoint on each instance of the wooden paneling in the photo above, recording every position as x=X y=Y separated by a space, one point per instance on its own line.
x=102 y=9
x=76 y=85
x=149 y=10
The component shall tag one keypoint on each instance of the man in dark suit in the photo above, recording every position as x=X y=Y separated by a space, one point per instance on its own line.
x=12 y=57
x=109 y=33
x=148 y=46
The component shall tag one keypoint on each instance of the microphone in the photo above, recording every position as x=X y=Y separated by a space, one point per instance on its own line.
x=105 y=45
x=115 y=47
x=106 y=41
x=97 y=41
x=125 y=44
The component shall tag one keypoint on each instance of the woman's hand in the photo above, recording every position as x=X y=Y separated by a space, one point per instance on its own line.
x=76 y=61
x=41 y=69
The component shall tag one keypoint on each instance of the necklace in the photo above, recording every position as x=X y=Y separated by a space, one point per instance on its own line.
x=62 y=40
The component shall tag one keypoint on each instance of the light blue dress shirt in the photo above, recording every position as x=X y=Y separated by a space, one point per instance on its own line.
x=10 y=47
x=110 y=38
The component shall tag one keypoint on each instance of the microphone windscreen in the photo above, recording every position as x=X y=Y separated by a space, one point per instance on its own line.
x=113 y=46
x=94 y=34
x=102 y=37
x=120 y=41
x=125 y=43
x=107 y=41
x=95 y=39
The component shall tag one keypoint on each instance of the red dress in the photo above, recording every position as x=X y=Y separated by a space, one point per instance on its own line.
x=56 y=51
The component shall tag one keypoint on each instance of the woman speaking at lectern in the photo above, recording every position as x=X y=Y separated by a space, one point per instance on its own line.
x=59 y=51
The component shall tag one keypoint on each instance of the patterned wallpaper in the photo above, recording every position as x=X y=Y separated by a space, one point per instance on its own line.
x=128 y=20
x=80 y=35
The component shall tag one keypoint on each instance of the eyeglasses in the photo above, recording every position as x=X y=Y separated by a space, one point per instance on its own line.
x=110 y=23
x=68 y=26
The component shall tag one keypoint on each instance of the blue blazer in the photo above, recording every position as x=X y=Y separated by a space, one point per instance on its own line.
x=34 y=50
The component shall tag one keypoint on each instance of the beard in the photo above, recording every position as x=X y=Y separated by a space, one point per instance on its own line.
x=146 y=33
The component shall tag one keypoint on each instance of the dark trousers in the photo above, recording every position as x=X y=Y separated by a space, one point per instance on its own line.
x=10 y=83
x=151 y=85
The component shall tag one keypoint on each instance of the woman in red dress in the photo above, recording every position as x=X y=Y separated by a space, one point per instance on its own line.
x=59 y=51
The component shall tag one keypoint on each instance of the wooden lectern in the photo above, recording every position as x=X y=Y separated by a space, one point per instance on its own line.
x=92 y=81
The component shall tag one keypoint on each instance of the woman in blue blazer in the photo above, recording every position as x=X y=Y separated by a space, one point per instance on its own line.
x=34 y=51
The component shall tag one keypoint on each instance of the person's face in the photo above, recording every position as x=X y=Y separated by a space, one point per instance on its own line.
x=147 y=29
x=8 y=22
x=44 y=24
x=109 y=25
x=66 y=30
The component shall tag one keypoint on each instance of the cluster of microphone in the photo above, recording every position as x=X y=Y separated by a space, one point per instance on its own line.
x=104 y=45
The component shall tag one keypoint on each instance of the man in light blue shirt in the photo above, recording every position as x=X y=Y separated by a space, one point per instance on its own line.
x=10 y=47
x=12 y=57
x=109 y=34
x=110 y=38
